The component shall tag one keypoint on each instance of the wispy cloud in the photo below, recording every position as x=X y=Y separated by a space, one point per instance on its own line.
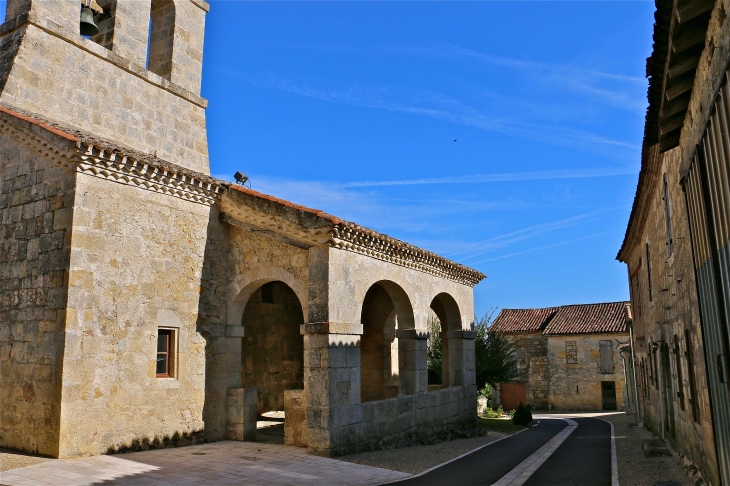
x=453 y=111
x=504 y=177
x=470 y=250
x=539 y=248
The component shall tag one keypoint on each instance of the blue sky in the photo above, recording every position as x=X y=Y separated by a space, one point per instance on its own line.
x=503 y=135
x=353 y=108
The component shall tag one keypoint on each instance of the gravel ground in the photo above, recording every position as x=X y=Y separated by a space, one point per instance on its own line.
x=13 y=460
x=634 y=468
x=414 y=460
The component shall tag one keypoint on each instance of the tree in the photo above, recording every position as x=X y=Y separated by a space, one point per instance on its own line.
x=434 y=352
x=495 y=356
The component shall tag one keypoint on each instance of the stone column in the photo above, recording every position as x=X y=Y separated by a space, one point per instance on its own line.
x=462 y=366
x=242 y=404
x=412 y=361
x=332 y=385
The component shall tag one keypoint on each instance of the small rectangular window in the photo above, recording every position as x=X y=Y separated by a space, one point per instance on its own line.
x=164 y=353
x=571 y=352
x=606 y=349
x=648 y=273
x=267 y=293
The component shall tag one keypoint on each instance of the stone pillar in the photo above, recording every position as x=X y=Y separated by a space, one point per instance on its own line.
x=412 y=361
x=242 y=404
x=462 y=366
x=331 y=385
x=295 y=418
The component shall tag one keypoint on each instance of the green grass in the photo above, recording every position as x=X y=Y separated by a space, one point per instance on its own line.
x=499 y=425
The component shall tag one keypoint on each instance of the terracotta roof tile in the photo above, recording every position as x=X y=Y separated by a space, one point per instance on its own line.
x=589 y=319
x=68 y=135
x=316 y=212
x=522 y=320
x=607 y=317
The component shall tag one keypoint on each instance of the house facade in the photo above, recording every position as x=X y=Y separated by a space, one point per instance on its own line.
x=677 y=241
x=567 y=358
x=146 y=304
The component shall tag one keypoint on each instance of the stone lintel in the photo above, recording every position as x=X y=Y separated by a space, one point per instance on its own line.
x=330 y=328
x=235 y=331
x=460 y=334
x=411 y=334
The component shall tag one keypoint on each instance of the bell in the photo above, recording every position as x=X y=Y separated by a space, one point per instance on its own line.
x=88 y=27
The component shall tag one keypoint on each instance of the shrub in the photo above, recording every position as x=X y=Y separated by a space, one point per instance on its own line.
x=522 y=415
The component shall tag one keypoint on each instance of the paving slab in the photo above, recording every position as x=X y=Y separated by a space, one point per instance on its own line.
x=224 y=463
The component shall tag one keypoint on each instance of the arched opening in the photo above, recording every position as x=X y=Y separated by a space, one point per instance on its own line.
x=161 y=37
x=444 y=356
x=386 y=309
x=272 y=348
x=105 y=23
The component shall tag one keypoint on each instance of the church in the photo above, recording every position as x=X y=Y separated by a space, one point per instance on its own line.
x=144 y=303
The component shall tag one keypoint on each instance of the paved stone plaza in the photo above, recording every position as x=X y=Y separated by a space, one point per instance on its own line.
x=222 y=463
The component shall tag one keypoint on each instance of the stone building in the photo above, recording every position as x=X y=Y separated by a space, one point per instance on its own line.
x=677 y=241
x=144 y=303
x=568 y=357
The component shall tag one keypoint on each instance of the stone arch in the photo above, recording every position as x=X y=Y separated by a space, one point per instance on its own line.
x=386 y=310
x=106 y=23
x=245 y=285
x=272 y=350
x=161 y=37
x=446 y=309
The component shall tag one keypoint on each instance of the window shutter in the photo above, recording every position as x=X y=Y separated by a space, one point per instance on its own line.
x=606 y=348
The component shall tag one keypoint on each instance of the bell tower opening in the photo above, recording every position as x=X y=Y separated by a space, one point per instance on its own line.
x=161 y=37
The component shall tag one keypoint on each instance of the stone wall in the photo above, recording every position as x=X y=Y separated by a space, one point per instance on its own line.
x=273 y=348
x=530 y=351
x=237 y=262
x=49 y=70
x=377 y=308
x=36 y=204
x=577 y=386
x=407 y=420
x=672 y=311
x=136 y=263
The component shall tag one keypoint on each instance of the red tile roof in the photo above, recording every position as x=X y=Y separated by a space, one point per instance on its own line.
x=56 y=130
x=607 y=317
x=316 y=212
x=522 y=320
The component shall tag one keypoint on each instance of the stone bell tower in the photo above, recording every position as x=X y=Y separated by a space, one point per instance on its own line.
x=135 y=83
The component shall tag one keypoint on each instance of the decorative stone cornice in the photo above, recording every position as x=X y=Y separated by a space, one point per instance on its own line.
x=38 y=139
x=150 y=174
x=352 y=237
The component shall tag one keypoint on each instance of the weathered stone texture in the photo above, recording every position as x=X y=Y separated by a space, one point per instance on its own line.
x=273 y=348
x=577 y=386
x=136 y=264
x=242 y=415
x=295 y=416
x=36 y=204
x=672 y=311
x=94 y=89
x=531 y=350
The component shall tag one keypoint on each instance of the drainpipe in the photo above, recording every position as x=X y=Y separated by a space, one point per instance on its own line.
x=630 y=323
x=547 y=363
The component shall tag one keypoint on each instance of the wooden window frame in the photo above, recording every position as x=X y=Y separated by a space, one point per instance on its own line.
x=678 y=364
x=169 y=354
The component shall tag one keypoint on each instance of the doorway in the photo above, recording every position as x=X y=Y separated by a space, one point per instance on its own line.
x=608 y=395
x=512 y=394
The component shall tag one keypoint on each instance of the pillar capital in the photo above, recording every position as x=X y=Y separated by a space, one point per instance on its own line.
x=310 y=328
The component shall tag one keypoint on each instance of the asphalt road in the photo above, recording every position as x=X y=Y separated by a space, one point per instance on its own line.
x=583 y=459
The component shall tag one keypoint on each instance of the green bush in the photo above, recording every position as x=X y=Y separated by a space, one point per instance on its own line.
x=522 y=415
x=489 y=413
